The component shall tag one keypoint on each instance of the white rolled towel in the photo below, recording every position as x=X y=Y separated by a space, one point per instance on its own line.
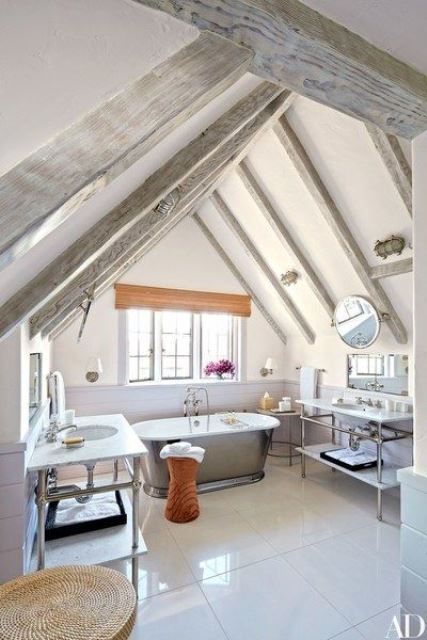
x=182 y=450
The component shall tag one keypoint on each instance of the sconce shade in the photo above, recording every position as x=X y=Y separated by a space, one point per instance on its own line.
x=95 y=364
x=270 y=364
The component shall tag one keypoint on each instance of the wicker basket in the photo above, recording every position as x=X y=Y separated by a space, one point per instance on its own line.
x=68 y=603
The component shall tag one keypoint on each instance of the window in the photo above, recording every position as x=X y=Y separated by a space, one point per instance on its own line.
x=141 y=345
x=177 y=345
x=217 y=337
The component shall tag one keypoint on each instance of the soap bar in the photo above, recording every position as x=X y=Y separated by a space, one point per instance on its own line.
x=73 y=441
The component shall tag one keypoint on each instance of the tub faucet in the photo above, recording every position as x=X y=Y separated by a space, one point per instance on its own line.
x=192 y=402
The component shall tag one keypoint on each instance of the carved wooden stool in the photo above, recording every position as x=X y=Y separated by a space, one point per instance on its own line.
x=182 y=503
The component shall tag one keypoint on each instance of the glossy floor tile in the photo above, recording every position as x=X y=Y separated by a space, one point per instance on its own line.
x=182 y=614
x=382 y=540
x=289 y=527
x=358 y=583
x=351 y=634
x=217 y=546
x=270 y=600
x=381 y=625
x=284 y=558
x=163 y=568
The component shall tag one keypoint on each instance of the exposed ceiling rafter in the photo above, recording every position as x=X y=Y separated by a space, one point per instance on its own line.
x=337 y=224
x=266 y=207
x=300 y=48
x=251 y=250
x=70 y=310
x=389 y=269
x=46 y=187
x=236 y=273
x=219 y=141
x=238 y=147
x=388 y=147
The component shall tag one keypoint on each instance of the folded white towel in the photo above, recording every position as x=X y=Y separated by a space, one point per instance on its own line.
x=180 y=447
x=184 y=450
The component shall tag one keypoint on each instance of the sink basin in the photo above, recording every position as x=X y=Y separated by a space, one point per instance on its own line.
x=349 y=405
x=93 y=432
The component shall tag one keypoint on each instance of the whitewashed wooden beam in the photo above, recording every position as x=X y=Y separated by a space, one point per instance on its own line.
x=274 y=220
x=236 y=273
x=250 y=249
x=217 y=143
x=338 y=226
x=66 y=315
x=394 y=159
x=301 y=49
x=390 y=269
x=45 y=188
x=117 y=259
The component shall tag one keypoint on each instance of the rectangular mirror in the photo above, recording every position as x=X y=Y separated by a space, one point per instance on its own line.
x=382 y=372
x=35 y=382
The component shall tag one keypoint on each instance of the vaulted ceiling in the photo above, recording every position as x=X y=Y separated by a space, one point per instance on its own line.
x=276 y=181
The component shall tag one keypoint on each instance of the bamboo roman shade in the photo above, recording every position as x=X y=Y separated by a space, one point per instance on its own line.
x=130 y=296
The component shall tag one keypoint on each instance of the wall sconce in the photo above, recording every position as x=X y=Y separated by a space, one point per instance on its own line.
x=389 y=247
x=93 y=369
x=270 y=366
x=288 y=278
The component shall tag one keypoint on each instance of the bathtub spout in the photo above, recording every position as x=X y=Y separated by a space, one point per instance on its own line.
x=192 y=403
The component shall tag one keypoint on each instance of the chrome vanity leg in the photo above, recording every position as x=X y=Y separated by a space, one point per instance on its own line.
x=41 y=518
x=302 y=443
x=135 y=519
x=116 y=471
x=379 y=476
x=333 y=430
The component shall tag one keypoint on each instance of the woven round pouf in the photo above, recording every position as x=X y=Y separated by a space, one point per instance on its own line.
x=68 y=603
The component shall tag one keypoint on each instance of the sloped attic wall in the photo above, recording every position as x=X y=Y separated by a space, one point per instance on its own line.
x=183 y=260
x=355 y=176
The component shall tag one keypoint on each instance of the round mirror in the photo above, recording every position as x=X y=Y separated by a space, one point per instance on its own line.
x=357 y=322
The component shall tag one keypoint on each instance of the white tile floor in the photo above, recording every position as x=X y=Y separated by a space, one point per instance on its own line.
x=282 y=559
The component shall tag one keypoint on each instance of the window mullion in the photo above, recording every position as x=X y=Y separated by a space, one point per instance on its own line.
x=157 y=345
x=196 y=347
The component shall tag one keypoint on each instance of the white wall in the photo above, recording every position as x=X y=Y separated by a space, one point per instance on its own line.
x=420 y=300
x=14 y=381
x=183 y=260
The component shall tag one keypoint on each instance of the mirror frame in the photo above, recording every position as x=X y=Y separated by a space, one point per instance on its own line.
x=377 y=315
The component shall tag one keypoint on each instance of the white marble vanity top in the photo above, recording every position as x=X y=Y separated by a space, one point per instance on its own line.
x=364 y=411
x=125 y=443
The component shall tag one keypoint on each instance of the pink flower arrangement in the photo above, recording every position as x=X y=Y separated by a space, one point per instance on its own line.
x=220 y=368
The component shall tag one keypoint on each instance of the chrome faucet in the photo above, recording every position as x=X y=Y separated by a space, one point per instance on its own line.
x=368 y=402
x=53 y=429
x=192 y=403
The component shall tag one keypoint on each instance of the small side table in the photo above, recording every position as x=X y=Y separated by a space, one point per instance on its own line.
x=292 y=446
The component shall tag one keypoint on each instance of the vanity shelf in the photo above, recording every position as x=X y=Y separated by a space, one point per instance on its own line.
x=388 y=428
x=93 y=547
x=389 y=472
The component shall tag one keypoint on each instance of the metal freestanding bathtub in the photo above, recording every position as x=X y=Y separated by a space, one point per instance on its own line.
x=235 y=453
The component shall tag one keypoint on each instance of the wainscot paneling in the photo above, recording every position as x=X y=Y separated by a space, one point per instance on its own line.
x=143 y=402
